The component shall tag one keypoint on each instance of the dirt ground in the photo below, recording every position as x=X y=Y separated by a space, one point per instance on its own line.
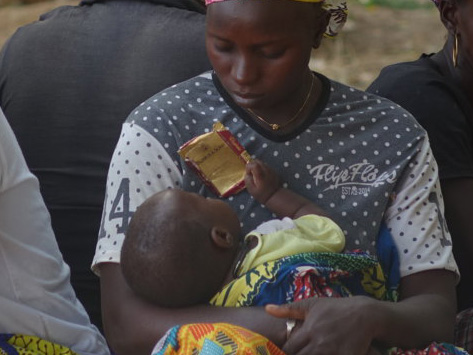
x=372 y=38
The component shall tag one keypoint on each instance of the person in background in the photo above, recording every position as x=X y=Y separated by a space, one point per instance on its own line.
x=39 y=310
x=438 y=90
x=365 y=161
x=68 y=81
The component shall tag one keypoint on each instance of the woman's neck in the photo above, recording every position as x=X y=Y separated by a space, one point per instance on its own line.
x=295 y=113
x=461 y=75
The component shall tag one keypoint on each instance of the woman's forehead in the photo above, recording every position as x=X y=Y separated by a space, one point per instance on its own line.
x=337 y=10
x=208 y=2
x=258 y=17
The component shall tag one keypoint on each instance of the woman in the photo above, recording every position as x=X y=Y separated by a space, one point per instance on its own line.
x=39 y=311
x=438 y=90
x=363 y=160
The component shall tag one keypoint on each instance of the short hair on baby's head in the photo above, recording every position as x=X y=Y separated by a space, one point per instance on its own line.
x=167 y=256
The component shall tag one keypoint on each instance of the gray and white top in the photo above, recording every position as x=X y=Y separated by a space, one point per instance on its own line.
x=360 y=157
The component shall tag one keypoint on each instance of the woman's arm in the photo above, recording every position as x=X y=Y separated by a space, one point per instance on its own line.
x=425 y=313
x=458 y=197
x=133 y=326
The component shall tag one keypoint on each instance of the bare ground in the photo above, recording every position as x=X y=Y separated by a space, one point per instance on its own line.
x=373 y=37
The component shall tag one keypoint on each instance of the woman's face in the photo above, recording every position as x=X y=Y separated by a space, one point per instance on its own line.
x=260 y=50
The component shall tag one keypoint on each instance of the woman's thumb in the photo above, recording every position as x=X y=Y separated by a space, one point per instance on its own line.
x=296 y=310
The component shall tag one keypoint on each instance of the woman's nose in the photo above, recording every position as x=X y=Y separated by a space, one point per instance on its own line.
x=244 y=70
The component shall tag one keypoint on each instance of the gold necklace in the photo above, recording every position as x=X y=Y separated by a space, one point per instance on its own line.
x=275 y=126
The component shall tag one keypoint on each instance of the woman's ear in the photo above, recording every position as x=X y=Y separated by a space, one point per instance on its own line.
x=321 y=20
x=449 y=15
x=222 y=238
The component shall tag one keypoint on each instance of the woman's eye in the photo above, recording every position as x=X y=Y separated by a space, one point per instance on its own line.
x=222 y=47
x=272 y=53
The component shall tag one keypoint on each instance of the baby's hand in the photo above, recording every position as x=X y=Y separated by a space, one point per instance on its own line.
x=261 y=181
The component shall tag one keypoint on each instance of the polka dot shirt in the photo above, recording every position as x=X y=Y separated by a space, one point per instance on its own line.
x=362 y=158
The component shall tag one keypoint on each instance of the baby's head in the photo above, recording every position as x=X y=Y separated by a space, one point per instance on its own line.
x=179 y=248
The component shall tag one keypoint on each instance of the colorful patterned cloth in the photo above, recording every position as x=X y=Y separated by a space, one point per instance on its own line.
x=214 y=339
x=337 y=9
x=15 y=344
x=464 y=330
x=285 y=280
x=432 y=349
x=290 y=279
x=307 y=275
x=324 y=275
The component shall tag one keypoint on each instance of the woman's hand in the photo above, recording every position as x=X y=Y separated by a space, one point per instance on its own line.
x=330 y=325
x=424 y=313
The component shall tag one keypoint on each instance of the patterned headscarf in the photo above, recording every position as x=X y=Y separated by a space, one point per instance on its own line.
x=337 y=9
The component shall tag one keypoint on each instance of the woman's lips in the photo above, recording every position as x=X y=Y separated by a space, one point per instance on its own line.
x=246 y=95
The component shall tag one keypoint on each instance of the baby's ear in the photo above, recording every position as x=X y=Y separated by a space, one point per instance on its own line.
x=222 y=238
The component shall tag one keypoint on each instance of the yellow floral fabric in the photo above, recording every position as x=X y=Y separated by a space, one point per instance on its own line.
x=18 y=344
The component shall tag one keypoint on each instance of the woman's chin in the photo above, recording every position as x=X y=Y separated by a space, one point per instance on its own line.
x=247 y=101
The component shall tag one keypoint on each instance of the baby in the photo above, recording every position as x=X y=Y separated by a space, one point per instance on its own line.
x=181 y=248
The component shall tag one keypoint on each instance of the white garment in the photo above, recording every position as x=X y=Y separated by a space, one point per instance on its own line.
x=275 y=225
x=36 y=297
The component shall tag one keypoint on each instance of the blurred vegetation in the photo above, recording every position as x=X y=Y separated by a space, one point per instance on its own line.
x=397 y=4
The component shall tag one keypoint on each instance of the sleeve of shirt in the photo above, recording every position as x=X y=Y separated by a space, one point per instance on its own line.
x=449 y=131
x=434 y=104
x=140 y=167
x=415 y=217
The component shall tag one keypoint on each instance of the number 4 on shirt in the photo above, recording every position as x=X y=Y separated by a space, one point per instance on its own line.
x=120 y=210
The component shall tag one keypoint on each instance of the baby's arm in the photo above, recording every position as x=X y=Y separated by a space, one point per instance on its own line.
x=265 y=186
